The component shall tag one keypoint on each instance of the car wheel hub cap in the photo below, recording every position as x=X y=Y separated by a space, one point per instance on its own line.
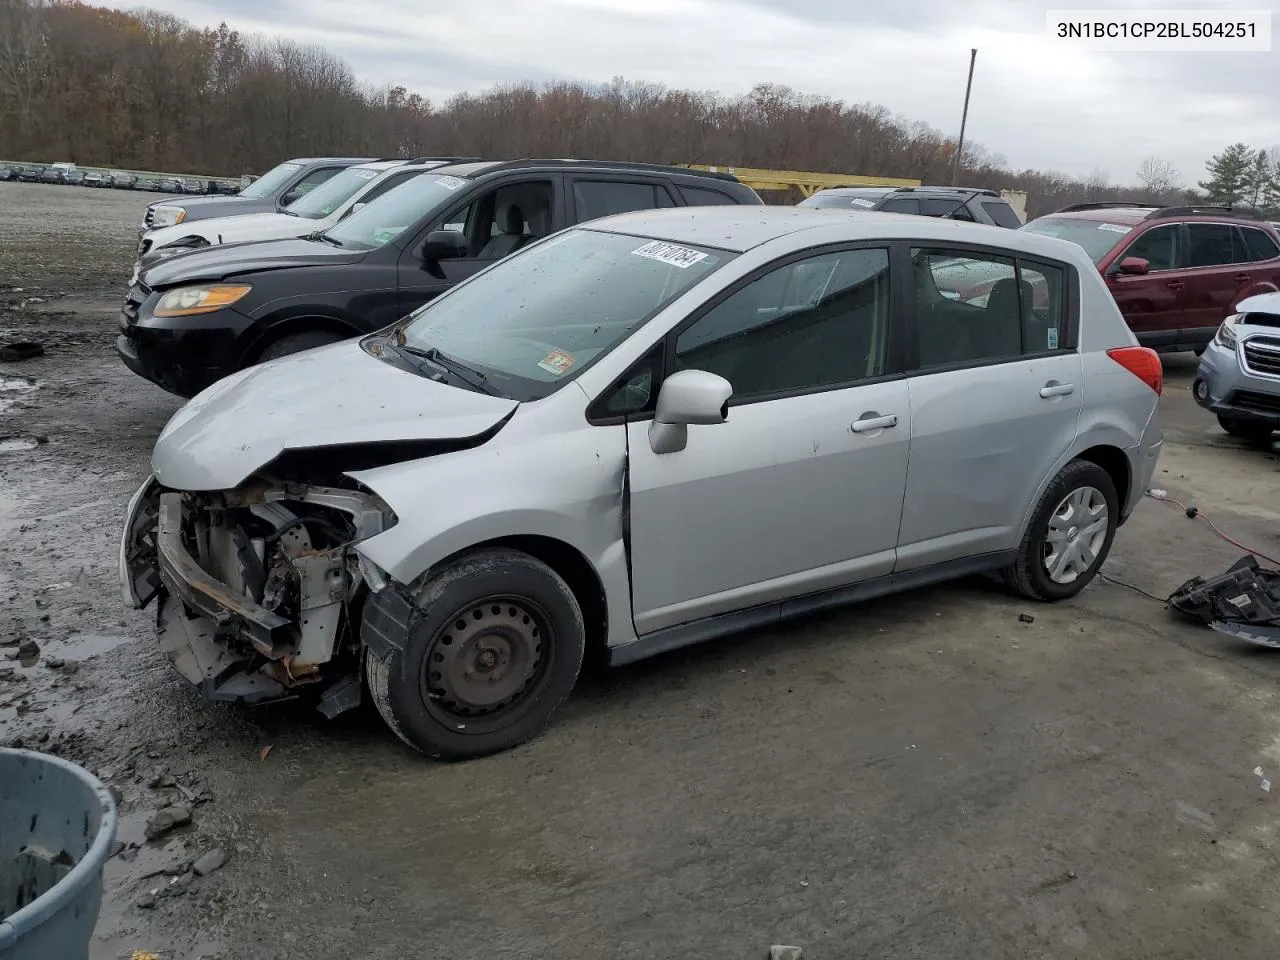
x=1076 y=535
x=484 y=659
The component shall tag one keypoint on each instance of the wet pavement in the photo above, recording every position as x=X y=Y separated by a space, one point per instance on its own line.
x=928 y=775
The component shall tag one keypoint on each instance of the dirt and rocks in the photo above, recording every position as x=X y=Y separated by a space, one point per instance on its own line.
x=948 y=773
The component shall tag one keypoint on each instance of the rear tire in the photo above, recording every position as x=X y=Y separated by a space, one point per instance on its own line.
x=297 y=342
x=1249 y=430
x=1069 y=536
x=496 y=650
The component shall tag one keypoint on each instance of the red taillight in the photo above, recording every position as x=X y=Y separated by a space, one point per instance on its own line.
x=1142 y=362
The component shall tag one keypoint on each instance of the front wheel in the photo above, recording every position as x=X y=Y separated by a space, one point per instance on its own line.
x=297 y=342
x=1249 y=430
x=497 y=648
x=1069 y=536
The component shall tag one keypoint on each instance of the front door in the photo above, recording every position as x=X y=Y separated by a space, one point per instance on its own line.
x=801 y=489
x=995 y=393
x=1152 y=302
x=491 y=225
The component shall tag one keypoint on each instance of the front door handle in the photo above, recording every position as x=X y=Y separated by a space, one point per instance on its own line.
x=1053 y=389
x=1175 y=284
x=873 y=421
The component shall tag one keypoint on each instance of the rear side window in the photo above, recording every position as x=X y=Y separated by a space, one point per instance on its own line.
x=1209 y=245
x=604 y=198
x=1258 y=246
x=701 y=197
x=972 y=308
x=1001 y=214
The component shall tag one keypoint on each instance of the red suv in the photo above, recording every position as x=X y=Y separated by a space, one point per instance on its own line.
x=1176 y=272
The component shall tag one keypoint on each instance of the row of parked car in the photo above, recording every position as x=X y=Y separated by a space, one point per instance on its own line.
x=69 y=175
x=455 y=423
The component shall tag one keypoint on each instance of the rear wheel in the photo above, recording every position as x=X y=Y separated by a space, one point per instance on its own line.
x=1069 y=536
x=497 y=648
x=297 y=342
x=1250 y=430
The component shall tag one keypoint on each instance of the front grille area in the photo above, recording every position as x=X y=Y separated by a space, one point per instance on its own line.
x=1251 y=400
x=1262 y=355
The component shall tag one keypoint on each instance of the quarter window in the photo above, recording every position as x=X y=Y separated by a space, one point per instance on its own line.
x=972 y=308
x=814 y=324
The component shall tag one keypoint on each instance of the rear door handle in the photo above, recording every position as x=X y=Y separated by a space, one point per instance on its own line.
x=1243 y=278
x=1052 y=389
x=872 y=421
x=1175 y=284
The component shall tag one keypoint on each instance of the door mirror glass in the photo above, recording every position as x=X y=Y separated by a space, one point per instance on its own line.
x=444 y=245
x=1135 y=266
x=289 y=197
x=687 y=396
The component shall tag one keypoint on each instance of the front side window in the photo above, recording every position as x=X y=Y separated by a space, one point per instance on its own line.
x=973 y=308
x=813 y=324
x=1159 y=247
x=271 y=181
x=945 y=207
x=500 y=222
x=537 y=320
x=900 y=205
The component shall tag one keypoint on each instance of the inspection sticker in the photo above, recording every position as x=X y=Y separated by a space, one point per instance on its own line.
x=557 y=362
x=670 y=253
x=1114 y=227
x=366 y=174
x=1052 y=339
x=863 y=202
x=451 y=183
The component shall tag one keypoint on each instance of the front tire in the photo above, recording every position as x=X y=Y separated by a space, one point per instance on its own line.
x=496 y=650
x=1246 y=429
x=1069 y=536
x=297 y=342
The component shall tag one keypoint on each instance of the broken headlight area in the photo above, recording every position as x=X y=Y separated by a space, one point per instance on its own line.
x=258 y=588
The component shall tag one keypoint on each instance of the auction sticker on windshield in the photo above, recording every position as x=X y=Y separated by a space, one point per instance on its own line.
x=860 y=202
x=557 y=362
x=1114 y=227
x=451 y=183
x=670 y=253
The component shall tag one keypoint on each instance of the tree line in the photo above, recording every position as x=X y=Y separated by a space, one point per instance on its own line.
x=146 y=90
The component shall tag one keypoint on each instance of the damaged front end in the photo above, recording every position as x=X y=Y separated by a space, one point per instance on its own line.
x=258 y=588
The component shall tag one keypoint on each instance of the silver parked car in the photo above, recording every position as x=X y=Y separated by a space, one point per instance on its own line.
x=1239 y=375
x=634 y=435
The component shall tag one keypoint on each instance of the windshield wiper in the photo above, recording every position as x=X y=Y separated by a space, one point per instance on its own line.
x=468 y=375
x=323 y=238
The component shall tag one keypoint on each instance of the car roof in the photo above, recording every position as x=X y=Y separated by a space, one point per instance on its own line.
x=306 y=160
x=480 y=168
x=741 y=228
x=1133 y=213
x=853 y=192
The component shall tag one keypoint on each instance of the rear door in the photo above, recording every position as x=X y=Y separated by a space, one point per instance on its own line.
x=595 y=195
x=1214 y=274
x=1151 y=303
x=494 y=221
x=995 y=391
x=1260 y=265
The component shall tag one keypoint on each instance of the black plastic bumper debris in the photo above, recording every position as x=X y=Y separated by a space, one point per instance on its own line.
x=1243 y=603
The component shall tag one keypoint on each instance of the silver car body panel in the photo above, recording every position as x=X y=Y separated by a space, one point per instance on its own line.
x=1243 y=381
x=783 y=500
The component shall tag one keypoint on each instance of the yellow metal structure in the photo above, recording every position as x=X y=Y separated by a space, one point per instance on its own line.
x=807 y=183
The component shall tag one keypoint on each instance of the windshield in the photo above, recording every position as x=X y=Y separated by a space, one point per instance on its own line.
x=391 y=214
x=331 y=194
x=538 y=319
x=270 y=181
x=1097 y=237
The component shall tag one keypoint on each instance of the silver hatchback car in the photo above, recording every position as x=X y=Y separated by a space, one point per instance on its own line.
x=1239 y=374
x=634 y=435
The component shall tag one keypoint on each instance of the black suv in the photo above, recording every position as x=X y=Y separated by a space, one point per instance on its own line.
x=972 y=204
x=196 y=317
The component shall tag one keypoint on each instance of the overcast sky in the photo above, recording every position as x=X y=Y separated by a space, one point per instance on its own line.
x=1037 y=103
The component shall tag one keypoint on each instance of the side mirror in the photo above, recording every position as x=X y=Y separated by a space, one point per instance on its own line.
x=1135 y=266
x=687 y=396
x=289 y=197
x=444 y=245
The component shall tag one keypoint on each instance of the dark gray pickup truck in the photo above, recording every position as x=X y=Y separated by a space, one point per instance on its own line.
x=270 y=193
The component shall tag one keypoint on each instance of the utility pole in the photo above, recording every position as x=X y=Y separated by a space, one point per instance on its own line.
x=964 y=117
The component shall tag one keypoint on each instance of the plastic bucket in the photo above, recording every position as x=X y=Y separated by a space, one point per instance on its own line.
x=57 y=825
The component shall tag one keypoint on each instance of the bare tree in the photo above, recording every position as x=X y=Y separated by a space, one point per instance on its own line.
x=1159 y=176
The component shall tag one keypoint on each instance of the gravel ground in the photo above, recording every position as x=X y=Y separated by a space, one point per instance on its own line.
x=930 y=775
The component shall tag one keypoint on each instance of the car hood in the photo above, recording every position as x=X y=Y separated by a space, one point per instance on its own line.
x=250 y=227
x=346 y=408
x=193 y=202
x=235 y=259
x=1260 y=303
